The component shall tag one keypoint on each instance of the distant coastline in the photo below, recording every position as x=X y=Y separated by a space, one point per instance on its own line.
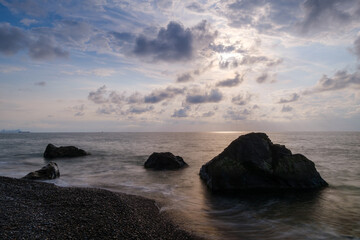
x=13 y=131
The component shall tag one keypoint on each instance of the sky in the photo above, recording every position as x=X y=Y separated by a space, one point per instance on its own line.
x=166 y=65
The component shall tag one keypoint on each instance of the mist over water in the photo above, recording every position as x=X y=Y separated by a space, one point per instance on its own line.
x=117 y=161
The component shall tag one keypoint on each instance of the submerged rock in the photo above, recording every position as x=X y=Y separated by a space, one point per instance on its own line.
x=52 y=151
x=164 y=161
x=253 y=162
x=50 y=171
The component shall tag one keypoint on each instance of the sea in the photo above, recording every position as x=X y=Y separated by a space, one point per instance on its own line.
x=116 y=163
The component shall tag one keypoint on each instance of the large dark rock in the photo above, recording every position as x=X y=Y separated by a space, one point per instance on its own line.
x=50 y=171
x=52 y=151
x=253 y=162
x=164 y=161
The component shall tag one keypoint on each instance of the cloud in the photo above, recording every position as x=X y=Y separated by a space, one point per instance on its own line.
x=160 y=95
x=286 y=109
x=208 y=114
x=185 y=77
x=237 y=114
x=208 y=97
x=293 y=98
x=171 y=44
x=242 y=99
x=181 y=113
x=220 y=48
x=98 y=96
x=13 y=39
x=41 y=84
x=323 y=15
x=27 y=22
x=175 y=43
x=10 y=69
x=196 y=7
x=340 y=80
x=139 y=109
x=357 y=47
x=231 y=82
x=262 y=78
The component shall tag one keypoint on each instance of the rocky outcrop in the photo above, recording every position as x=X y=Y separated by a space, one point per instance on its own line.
x=50 y=171
x=253 y=162
x=164 y=161
x=52 y=151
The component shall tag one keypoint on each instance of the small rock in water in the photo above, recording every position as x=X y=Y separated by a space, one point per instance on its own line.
x=50 y=171
x=253 y=162
x=164 y=161
x=52 y=151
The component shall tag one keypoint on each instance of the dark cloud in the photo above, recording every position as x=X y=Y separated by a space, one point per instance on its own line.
x=209 y=97
x=340 y=80
x=44 y=49
x=322 y=15
x=41 y=84
x=231 y=82
x=357 y=47
x=208 y=114
x=220 y=48
x=98 y=96
x=139 y=109
x=171 y=44
x=13 y=39
x=242 y=99
x=196 y=7
x=293 y=98
x=160 y=95
x=247 y=60
x=286 y=109
x=181 y=113
x=185 y=77
x=262 y=78
x=236 y=115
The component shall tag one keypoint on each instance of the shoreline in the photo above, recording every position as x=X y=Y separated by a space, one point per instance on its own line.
x=38 y=210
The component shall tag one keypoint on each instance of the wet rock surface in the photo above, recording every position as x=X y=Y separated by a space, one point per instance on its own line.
x=50 y=171
x=253 y=162
x=52 y=151
x=164 y=161
x=36 y=210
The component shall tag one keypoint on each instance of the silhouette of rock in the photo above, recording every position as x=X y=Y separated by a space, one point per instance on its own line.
x=253 y=162
x=164 y=161
x=50 y=171
x=52 y=151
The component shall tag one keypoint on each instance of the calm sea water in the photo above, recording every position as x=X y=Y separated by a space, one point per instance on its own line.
x=117 y=161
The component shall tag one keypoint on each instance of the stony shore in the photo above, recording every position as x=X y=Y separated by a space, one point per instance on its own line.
x=37 y=210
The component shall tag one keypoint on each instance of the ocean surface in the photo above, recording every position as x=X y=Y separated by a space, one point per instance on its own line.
x=117 y=162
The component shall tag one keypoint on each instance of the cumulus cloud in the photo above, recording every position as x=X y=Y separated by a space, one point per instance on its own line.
x=286 y=109
x=196 y=7
x=27 y=22
x=208 y=97
x=160 y=95
x=175 y=42
x=236 y=115
x=208 y=114
x=340 y=80
x=185 y=77
x=262 y=78
x=242 y=99
x=231 y=82
x=293 y=98
x=181 y=113
x=140 y=109
x=98 y=96
x=13 y=39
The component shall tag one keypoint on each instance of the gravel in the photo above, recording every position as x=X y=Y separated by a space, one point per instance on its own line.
x=37 y=210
